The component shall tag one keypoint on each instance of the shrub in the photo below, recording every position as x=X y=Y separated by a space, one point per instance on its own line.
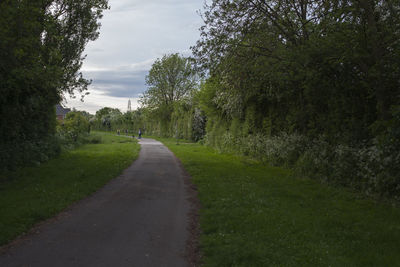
x=370 y=168
x=28 y=152
x=74 y=129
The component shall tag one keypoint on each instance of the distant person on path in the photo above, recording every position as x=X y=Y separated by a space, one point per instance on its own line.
x=140 y=133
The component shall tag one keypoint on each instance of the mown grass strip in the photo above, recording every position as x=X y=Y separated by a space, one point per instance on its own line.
x=255 y=215
x=36 y=193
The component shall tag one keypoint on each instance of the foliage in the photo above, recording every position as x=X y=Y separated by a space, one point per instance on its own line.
x=311 y=67
x=311 y=85
x=371 y=169
x=170 y=79
x=198 y=125
x=33 y=194
x=171 y=82
x=106 y=119
x=41 y=45
x=74 y=126
x=281 y=220
x=109 y=119
x=32 y=152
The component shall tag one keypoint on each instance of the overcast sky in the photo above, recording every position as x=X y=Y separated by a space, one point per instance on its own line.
x=133 y=34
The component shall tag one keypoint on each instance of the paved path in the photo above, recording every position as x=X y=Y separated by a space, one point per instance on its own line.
x=138 y=219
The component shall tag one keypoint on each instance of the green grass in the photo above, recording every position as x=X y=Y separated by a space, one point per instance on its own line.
x=256 y=215
x=32 y=194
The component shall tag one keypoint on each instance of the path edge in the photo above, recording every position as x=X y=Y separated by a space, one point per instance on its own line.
x=192 y=250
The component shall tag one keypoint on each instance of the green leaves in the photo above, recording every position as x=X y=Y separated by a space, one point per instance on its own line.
x=75 y=125
x=314 y=67
x=41 y=45
x=321 y=70
x=170 y=79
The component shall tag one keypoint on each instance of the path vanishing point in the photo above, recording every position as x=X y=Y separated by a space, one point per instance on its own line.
x=141 y=218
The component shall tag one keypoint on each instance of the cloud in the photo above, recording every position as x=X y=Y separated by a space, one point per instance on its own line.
x=121 y=81
x=97 y=100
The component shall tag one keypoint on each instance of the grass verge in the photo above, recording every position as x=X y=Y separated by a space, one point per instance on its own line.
x=32 y=194
x=256 y=215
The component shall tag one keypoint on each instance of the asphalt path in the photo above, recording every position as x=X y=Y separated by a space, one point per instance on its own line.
x=141 y=218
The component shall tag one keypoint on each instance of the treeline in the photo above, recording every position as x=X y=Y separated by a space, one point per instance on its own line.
x=41 y=45
x=312 y=85
x=112 y=119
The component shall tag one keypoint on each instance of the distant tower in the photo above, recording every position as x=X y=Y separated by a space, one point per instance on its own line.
x=129 y=105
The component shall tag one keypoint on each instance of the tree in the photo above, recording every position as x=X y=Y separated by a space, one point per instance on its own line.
x=313 y=67
x=41 y=46
x=108 y=118
x=170 y=79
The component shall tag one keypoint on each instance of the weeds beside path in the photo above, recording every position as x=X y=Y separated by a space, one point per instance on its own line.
x=255 y=215
x=35 y=193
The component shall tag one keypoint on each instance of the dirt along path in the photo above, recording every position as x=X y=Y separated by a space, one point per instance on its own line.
x=141 y=218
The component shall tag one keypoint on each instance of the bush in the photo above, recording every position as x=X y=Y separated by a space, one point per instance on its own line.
x=28 y=152
x=372 y=169
x=74 y=129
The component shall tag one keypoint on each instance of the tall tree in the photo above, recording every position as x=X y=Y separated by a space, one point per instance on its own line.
x=170 y=79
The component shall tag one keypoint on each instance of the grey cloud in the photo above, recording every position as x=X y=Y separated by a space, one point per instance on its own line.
x=118 y=83
x=91 y=107
x=121 y=91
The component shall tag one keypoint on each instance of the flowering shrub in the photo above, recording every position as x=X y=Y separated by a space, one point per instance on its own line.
x=372 y=169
